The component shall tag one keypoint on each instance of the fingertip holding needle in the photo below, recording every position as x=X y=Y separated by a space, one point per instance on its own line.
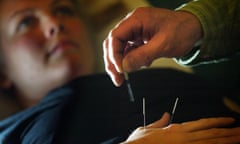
x=129 y=46
x=129 y=87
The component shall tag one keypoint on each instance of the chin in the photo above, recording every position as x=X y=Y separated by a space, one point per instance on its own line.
x=68 y=70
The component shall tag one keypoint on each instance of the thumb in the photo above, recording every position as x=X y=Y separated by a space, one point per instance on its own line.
x=164 y=121
x=136 y=58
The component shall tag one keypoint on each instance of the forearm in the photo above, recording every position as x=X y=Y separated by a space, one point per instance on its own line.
x=220 y=21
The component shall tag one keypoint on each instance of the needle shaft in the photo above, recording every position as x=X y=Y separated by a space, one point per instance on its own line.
x=173 y=110
x=144 y=113
x=129 y=87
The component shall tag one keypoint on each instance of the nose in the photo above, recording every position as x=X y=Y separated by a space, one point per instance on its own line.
x=52 y=27
x=56 y=29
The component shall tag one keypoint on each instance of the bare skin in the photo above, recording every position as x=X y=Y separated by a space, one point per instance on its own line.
x=203 y=131
x=155 y=32
x=44 y=45
x=143 y=36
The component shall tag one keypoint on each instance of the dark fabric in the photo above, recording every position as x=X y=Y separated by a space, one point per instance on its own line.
x=90 y=110
x=103 y=112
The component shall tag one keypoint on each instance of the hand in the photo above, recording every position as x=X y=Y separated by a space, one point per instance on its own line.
x=147 y=34
x=203 y=131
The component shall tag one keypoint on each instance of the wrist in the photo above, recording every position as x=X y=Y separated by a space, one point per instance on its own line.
x=193 y=29
x=191 y=23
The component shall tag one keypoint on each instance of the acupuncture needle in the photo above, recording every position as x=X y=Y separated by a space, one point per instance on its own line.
x=173 y=110
x=144 y=113
x=130 y=46
x=129 y=87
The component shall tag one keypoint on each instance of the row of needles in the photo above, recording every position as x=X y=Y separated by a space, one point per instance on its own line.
x=132 y=99
x=144 y=111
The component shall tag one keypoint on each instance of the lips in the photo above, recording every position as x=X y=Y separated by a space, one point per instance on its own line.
x=61 y=46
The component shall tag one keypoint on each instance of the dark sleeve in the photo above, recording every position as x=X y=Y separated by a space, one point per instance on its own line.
x=115 y=140
x=220 y=20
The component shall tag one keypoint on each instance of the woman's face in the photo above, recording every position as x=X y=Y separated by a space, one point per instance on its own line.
x=43 y=43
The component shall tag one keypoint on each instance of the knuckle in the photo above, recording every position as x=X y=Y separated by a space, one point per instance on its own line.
x=174 y=127
x=140 y=9
x=140 y=128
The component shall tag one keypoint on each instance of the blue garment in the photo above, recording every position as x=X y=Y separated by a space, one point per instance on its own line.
x=35 y=125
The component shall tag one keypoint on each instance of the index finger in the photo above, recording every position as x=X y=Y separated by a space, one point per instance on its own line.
x=127 y=30
x=116 y=77
x=207 y=123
